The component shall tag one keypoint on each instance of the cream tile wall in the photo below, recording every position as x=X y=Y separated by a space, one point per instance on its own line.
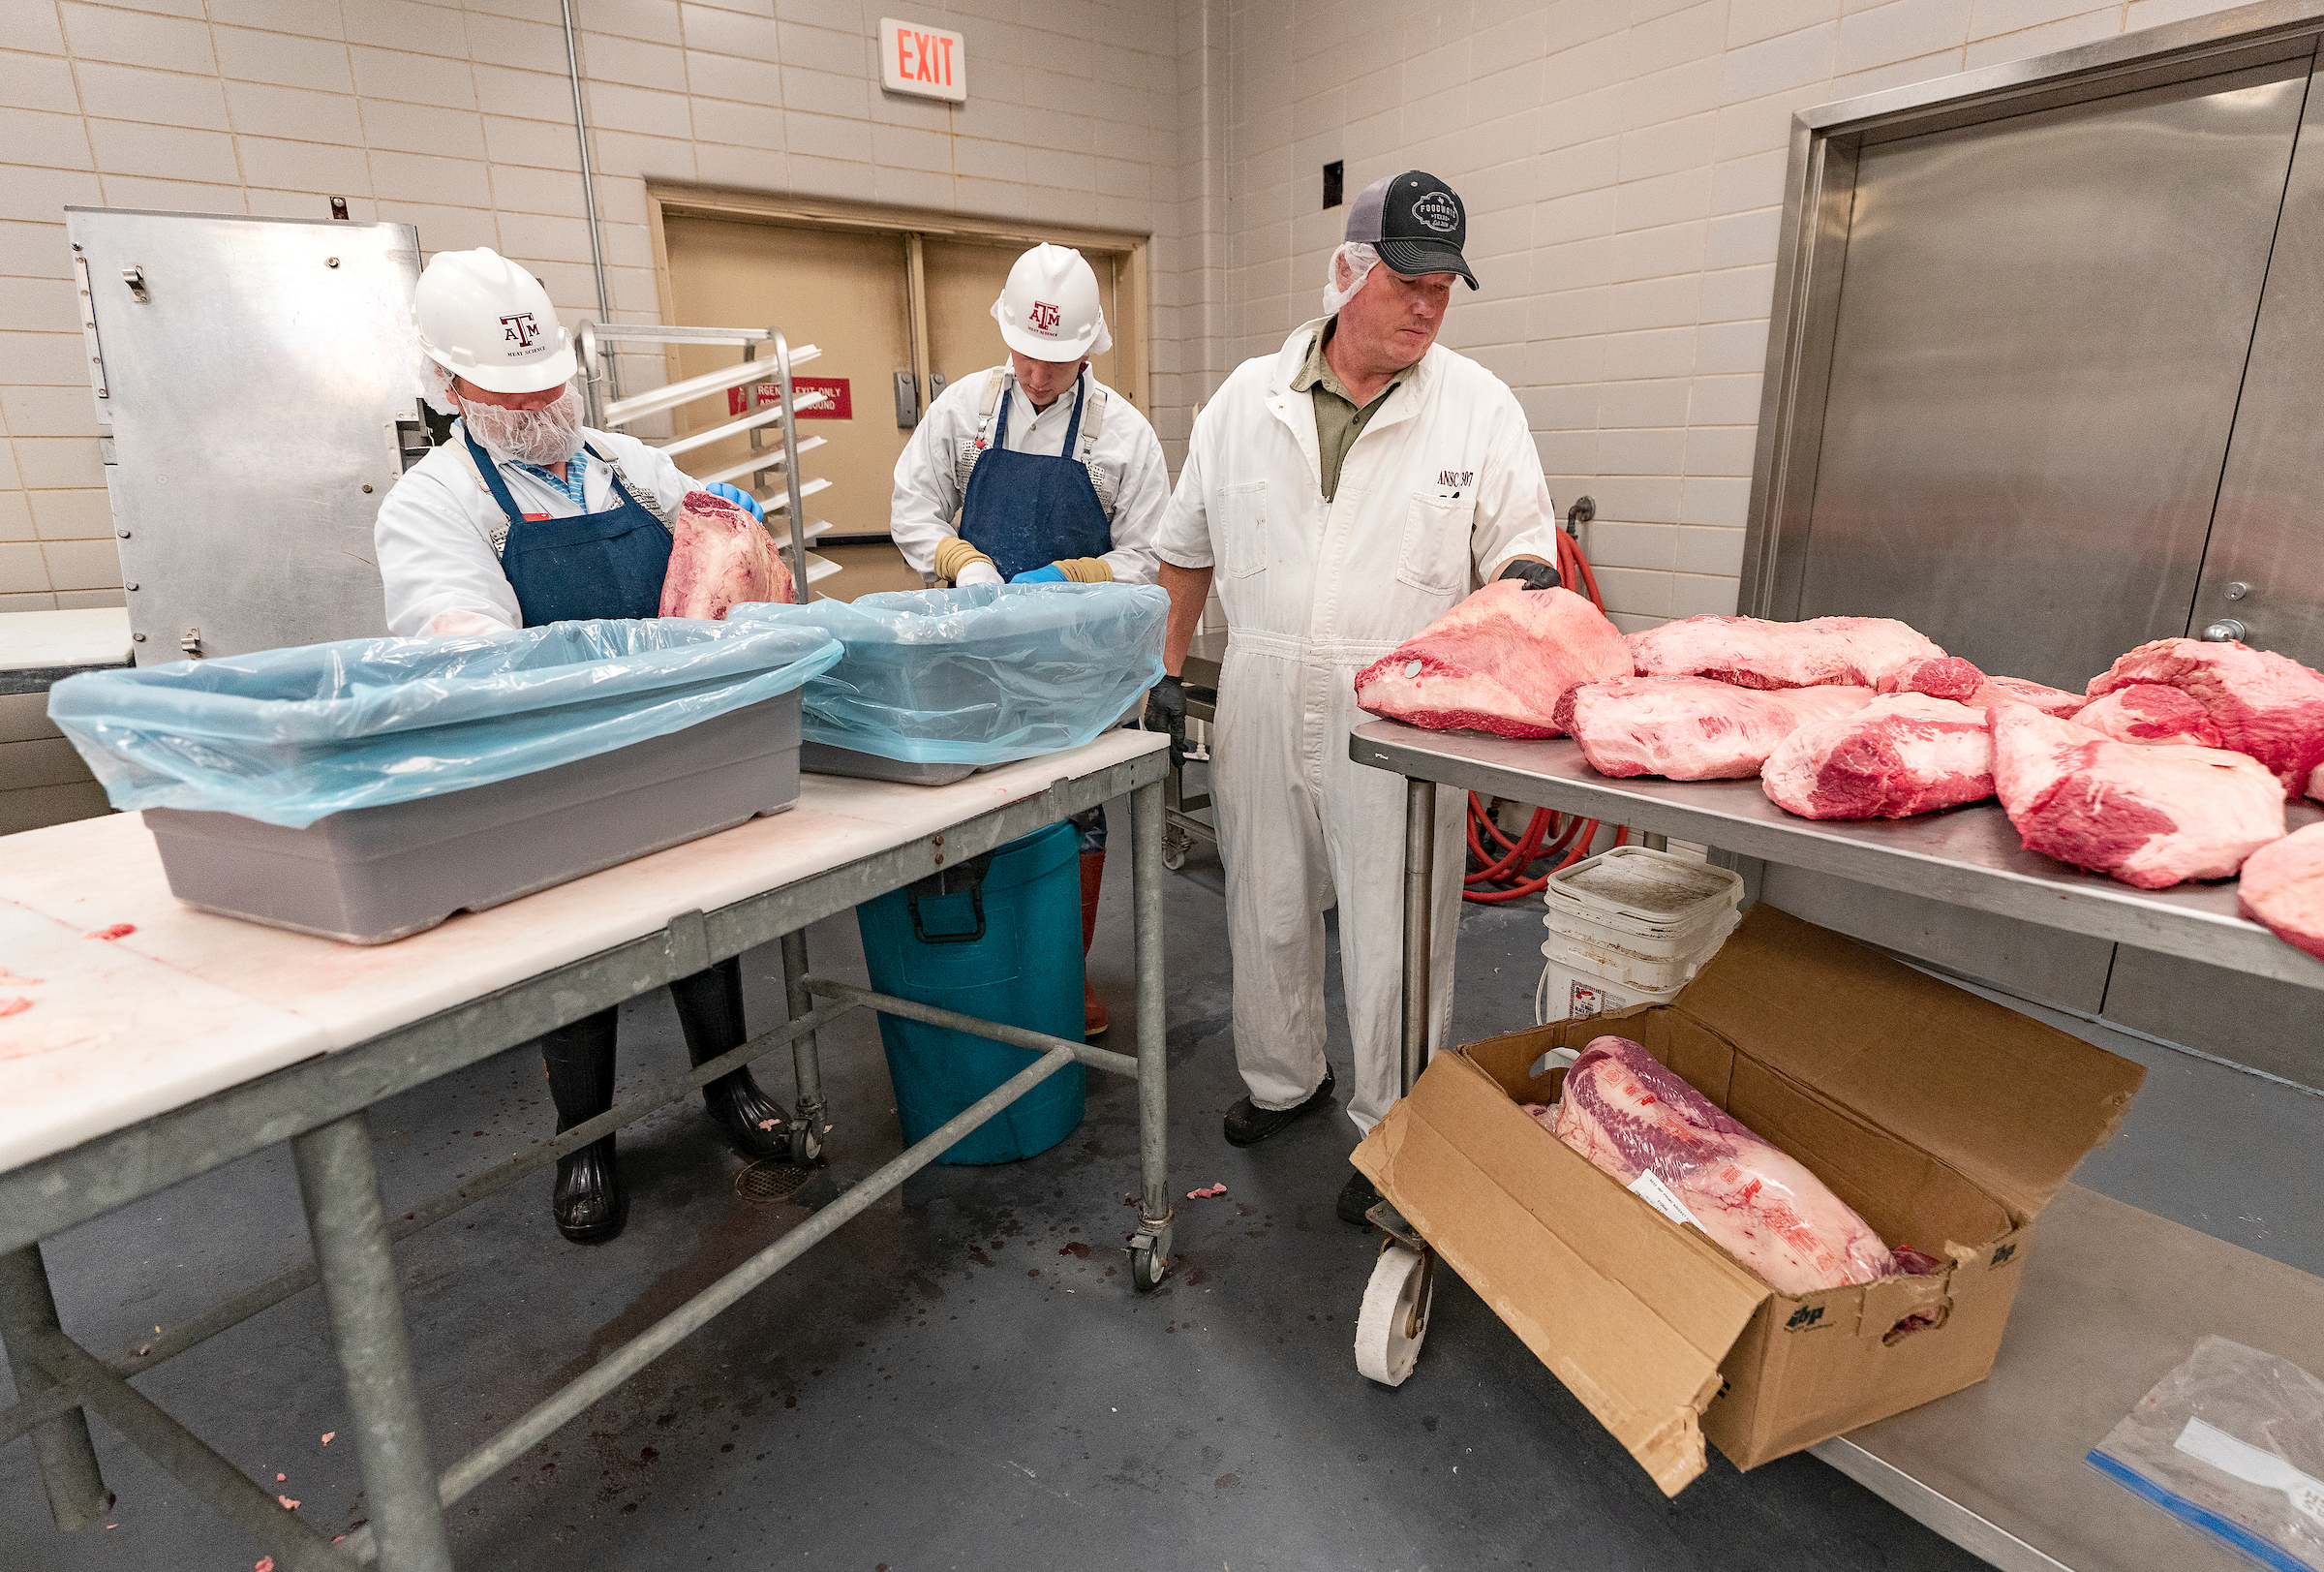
x=458 y=118
x=1623 y=165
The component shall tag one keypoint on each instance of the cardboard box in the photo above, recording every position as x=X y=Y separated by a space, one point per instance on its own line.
x=1946 y=1121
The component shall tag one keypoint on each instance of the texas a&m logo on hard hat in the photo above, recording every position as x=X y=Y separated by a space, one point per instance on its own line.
x=519 y=330
x=1043 y=317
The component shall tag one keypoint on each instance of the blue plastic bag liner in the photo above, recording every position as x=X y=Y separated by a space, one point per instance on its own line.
x=2231 y=1443
x=980 y=675
x=288 y=736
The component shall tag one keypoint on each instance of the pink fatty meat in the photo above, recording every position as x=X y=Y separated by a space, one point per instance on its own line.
x=2151 y=712
x=2150 y=815
x=1630 y=1115
x=1693 y=729
x=2283 y=888
x=1498 y=662
x=1860 y=652
x=720 y=557
x=2264 y=704
x=1943 y=676
x=1999 y=690
x=1900 y=754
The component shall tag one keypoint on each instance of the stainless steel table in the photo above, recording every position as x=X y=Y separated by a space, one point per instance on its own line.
x=317 y=1101
x=2116 y=1296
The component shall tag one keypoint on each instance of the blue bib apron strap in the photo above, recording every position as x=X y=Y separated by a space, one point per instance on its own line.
x=609 y=564
x=1026 y=510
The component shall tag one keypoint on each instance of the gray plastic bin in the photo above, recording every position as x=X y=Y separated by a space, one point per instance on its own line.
x=822 y=758
x=372 y=875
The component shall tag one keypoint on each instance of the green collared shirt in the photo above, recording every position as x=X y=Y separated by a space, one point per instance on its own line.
x=1339 y=422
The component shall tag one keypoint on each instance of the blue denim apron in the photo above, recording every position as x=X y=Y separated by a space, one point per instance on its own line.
x=594 y=564
x=1026 y=510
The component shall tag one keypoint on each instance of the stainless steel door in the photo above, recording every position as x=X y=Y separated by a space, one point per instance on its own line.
x=255 y=372
x=2042 y=326
x=2266 y=564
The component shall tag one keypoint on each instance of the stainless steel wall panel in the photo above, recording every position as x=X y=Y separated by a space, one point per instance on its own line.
x=2041 y=327
x=254 y=377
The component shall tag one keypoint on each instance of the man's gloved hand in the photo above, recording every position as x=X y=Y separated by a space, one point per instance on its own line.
x=1166 y=711
x=1052 y=574
x=1538 y=575
x=739 y=496
x=978 y=573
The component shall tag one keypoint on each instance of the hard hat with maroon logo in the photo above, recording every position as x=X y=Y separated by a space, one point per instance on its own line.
x=1049 y=310
x=485 y=319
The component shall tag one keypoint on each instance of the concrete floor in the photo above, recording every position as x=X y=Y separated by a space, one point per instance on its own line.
x=963 y=1378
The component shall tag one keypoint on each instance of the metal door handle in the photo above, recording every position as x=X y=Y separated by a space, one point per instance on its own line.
x=2227 y=629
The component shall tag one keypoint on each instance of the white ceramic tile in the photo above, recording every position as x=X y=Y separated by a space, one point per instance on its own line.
x=2064 y=34
x=157 y=97
x=1899 y=31
x=136 y=39
x=33 y=81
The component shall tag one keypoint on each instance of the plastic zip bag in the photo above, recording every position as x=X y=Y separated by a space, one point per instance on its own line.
x=980 y=675
x=2231 y=1443
x=286 y=736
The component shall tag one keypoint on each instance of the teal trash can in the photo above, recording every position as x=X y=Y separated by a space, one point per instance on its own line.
x=999 y=938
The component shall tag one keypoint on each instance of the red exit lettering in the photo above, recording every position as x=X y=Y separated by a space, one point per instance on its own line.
x=924 y=57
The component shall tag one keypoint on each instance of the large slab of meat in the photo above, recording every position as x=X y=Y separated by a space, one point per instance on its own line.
x=2147 y=712
x=1856 y=651
x=1900 y=754
x=1498 y=662
x=1999 y=690
x=1630 y=1115
x=2283 y=887
x=2264 y=704
x=1693 y=729
x=1939 y=676
x=720 y=557
x=2151 y=816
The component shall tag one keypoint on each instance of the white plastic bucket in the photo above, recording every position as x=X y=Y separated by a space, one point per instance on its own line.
x=1630 y=926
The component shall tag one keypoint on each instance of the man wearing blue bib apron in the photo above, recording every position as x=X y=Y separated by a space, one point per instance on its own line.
x=1032 y=472
x=525 y=517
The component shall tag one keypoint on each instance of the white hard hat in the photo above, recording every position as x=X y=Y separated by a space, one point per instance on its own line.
x=1049 y=310
x=483 y=318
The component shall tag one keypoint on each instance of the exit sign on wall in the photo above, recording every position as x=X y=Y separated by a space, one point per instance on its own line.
x=928 y=62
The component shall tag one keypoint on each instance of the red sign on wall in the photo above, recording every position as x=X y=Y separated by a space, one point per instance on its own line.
x=836 y=405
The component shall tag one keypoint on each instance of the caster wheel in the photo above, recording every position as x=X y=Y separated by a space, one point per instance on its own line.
x=1174 y=849
x=1150 y=1262
x=806 y=1146
x=1394 y=1320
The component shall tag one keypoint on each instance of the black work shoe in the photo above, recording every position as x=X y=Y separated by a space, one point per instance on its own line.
x=1248 y=1126
x=590 y=1206
x=1356 y=1197
x=755 y=1123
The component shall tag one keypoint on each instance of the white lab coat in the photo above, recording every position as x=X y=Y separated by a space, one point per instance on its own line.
x=928 y=490
x=434 y=530
x=1441 y=487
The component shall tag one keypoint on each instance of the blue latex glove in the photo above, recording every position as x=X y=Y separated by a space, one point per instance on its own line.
x=735 y=494
x=1052 y=574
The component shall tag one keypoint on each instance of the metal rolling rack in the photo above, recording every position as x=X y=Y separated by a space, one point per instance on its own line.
x=596 y=341
x=2121 y=1294
x=319 y=1106
x=1180 y=829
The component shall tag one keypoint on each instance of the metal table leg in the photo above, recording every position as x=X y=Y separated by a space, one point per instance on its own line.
x=341 y=1189
x=806 y=1063
x=1150 y=1249
x=76 y=1493
x=1419 y=907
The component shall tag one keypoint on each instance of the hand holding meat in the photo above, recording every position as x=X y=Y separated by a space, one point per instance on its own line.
x=720 y=557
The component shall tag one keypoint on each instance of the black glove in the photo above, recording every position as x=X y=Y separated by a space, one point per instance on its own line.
x=1166 y=711
x=1538 y=575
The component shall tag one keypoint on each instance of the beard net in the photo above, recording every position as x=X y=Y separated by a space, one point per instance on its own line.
x=1349 y=265
x=548 y=434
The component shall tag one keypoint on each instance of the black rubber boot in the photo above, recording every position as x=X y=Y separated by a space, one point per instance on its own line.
x=1248 y=1125
x=710 y=1012
x=590 y=1203
x=1356 y=1198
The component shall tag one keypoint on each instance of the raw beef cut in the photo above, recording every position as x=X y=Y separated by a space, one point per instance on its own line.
x=2147 y=712
x=1691 y=729
x=1857 y=650
x=2283 y=887
x=1631 y=1116
x=1499 y=661
x=1905 y=754
x=2151 y=816
x=2265 y=704
x=720 y=557
x=1999 y=690
x=1944 y=676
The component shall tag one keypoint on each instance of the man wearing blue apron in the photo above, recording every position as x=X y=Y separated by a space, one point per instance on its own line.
x=1032 y=472
x=524 y=519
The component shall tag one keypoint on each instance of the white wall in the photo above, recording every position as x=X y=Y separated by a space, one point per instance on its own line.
x=1623 y=165
x=458 y=118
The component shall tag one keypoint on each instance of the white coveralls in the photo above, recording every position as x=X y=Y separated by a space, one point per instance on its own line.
x=435 y=530
x=1440 y=486
x=1127 y=465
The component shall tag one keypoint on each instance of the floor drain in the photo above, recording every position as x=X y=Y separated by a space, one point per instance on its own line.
x=768 y=1180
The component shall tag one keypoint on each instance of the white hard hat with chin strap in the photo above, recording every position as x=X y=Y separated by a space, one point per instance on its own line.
x=1049 y=310
x=484 y=319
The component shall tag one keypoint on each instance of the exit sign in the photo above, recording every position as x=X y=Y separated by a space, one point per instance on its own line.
x=928 y=62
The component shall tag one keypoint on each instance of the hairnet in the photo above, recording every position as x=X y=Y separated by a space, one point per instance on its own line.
x=1349 y=265
x=436 y=387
